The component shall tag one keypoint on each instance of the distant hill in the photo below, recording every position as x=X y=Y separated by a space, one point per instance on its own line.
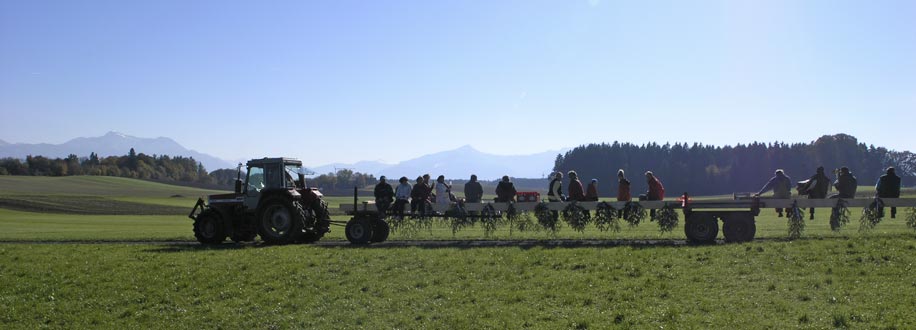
x=458 y=164
x=111 y=144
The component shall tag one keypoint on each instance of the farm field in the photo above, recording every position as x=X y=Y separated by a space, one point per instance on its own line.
x=52 y=279
x=808 y=283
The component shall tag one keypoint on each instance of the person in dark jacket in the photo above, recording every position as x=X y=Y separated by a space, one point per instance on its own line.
x=576 y=193
x=817 y=187
x=505 y=191
x=418 y=196
x=781 y=184
x=384 y=195
x=591 y=194
x=656 y=190
x=555 y=190
x=845 y=184
x=555 y=193
x=473 y=191
x=888 y=186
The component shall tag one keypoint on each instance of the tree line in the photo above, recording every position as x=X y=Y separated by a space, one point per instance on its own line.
x=710 y=170
x=133 y=165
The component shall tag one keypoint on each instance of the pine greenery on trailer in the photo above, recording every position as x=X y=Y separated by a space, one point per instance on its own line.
x=667 y=219
x=911 y=218
x=839 y=215
x=546 y=219
x=576 y=216
x=607 y=217
x=633 y=213
x=871 y=215
x=796 y=221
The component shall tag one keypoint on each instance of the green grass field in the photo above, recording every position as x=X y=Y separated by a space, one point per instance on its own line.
x=826 y=279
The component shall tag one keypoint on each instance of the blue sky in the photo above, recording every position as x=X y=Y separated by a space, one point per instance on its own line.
x=331 y=81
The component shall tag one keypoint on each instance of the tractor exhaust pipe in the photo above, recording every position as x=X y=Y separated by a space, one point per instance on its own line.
x=355 y=201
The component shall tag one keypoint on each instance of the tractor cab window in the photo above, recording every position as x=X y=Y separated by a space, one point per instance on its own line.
x=255 y=179
x=272 y=175
x=293 y=176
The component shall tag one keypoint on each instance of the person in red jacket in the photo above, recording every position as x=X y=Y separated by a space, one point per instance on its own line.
x=576 y=193
x=656 y=190
x=591 y=194
x=623 y=191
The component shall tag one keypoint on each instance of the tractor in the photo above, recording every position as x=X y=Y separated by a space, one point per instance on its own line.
x=272 y=202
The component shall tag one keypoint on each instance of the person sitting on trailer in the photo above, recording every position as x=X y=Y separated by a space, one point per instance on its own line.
x=656 y=190
x=473 y=191
x=576 y=193
x=505 y=191
x=623 y=190
x=418 y=197
x=443 y=190
x=845 y=184
x=384 y=195
x=591 y=194
x=402 y=195
x=888 y=186
x=555 y=193
x=817 y=187
x=781 y=185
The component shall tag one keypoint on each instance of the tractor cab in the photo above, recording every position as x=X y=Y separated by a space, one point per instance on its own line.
x=268 y=175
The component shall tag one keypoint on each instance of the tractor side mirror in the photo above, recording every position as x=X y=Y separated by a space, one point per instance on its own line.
x=238 y=186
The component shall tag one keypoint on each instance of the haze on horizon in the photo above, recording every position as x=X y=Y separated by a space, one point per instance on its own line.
x=343 y=81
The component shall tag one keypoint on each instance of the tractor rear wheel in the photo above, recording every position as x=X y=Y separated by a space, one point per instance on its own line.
x=701 y=228
x=380 y=230
x=209 y=227
x=280 y=221
x=739 y=228
x=359 y=231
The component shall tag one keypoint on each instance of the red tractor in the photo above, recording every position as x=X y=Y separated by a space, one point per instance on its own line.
x=273 y=202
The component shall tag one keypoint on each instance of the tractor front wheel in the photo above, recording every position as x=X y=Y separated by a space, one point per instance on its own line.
x=359 y=231
x=209 y=228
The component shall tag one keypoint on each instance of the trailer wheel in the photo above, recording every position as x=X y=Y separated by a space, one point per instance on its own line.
x=209 y=228
x=701 y=228
x=739 y=228
x=380 y=231
x=359 y=231
x=281 y=221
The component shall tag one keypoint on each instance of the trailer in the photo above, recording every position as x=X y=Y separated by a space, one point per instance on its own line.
x=701 y=217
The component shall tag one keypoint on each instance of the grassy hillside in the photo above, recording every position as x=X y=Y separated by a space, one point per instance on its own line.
x=93 y=186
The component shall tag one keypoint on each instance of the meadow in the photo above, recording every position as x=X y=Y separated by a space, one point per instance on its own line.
x=92 y=270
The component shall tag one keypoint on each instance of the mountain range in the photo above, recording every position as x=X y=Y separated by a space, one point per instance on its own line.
x=110 y=144
x=458 y=164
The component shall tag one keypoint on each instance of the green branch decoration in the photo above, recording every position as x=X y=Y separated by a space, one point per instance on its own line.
x=839 y=215
x=576 y=216
x=633 y=213
x=607 y=218
x=546 y=219
x=667 y=219
x=871 y=215
x=796 y=219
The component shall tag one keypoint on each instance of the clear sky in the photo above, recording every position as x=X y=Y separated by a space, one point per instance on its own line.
x=343 y=81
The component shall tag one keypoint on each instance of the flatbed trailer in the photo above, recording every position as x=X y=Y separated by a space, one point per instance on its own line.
x=701 y=217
